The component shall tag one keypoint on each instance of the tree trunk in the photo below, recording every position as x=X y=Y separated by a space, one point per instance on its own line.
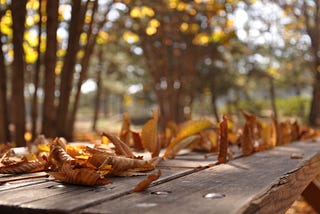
x=34 y=104
x=273 y=97
x=4 y=122
x=314 y=117
x=48 y=112
x=214 y=104
x=76 y=23
x=84 y=70
x=18 y=102
x=98 y=96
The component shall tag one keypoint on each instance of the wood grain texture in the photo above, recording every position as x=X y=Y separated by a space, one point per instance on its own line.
x=312 y=194
x=68 y=198
x=266 y=182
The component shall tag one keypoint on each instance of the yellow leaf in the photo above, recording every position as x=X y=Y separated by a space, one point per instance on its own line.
x=149 y=135
x=188 y=129
x=181 y=145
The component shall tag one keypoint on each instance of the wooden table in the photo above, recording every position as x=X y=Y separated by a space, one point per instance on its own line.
x=265 y=182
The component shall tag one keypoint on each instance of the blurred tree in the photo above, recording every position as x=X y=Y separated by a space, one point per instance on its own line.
x=174 y=36
x=18 y=8
x=50 y=58
x=4 y=122
x=303 y=18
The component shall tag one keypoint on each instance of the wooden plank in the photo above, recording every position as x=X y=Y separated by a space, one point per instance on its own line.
x=265 y=182
x=68 y=201
x=312 y=194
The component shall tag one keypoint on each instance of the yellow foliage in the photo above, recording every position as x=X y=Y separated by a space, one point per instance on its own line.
x=58 y=67
x=31 y=57
x=27 y=136
x=182 y=6
x=184 y=27
x=154 y=23
x=130 y=37
x=192 y=11
x=83 y=38
x=61 y=52
x=318 y=68
x=273 y=72
x=102 y=38
x=141 y=12
x=33 y=5
x=5 y=23
x=172 y=4
x=31 y=38
x=147 y=11
x=194 y=28
x=201 y=39
x=80 y=54
x=30 y=21
x=151 y=30
x=217 y=35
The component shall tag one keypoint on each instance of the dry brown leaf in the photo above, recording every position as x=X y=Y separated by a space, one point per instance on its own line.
x=58 y=153
x=97 y=156
x=188 y=129
x=81 y=176
x=146 y=182
x=223 y=142
x=23 y=167
x=149 y=135
x=295 y=131
x=248 y=136
x=125 y=129
x=121 y=147
x=120 y=164
x=137 y=145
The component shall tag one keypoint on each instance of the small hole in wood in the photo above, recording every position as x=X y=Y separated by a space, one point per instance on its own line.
x=214 y=195
x=161 y=193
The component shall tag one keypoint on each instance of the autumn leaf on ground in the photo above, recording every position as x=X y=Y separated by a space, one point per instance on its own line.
x=81 y=176
x=223 y=142
x=120 y=164
x=248 y=135
x=184 y=143
x=137 y=144
x=146 y=182
x=58 y=153
x=97 y=156
x=186 y=130
x=149 y=135
x=121 y=147
x=125 y=129
x=23 y=167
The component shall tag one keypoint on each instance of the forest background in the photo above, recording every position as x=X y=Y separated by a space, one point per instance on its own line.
x=69 y=60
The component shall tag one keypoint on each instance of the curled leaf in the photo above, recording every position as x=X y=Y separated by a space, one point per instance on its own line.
x=121 y=147
x=120 y=164
x=188 y=129
x=81 y=176
x=58 y=153
x=181 y=145
x=23 y=167
x=146 y=182
x=223 y=143
x=125 y=129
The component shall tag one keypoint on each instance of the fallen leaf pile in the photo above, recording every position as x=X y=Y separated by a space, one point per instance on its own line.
x=115 y=155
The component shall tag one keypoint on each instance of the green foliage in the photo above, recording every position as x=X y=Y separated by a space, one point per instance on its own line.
x=295 y=106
